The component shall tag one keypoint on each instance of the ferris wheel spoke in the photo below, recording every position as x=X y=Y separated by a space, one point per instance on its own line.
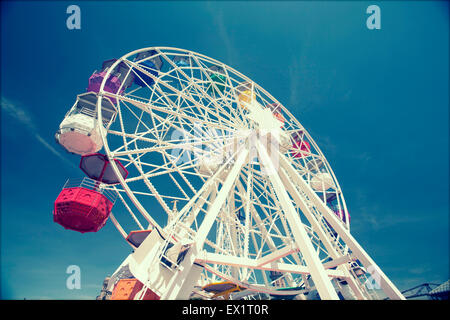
x=134 y=136
x=152 y=189
x=218 y=201
x=118 y=191
x=189 y=98
x=148 y=131
x=259 y=225
x=159 y=129
x=146 y=107
x=158 y=171
x=187 y=147
x=153 y=195
x=205 y=74
x=200 y=89
x=168 y=144
x=232 y=94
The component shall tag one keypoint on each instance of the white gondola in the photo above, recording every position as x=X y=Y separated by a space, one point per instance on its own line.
x=79 y=132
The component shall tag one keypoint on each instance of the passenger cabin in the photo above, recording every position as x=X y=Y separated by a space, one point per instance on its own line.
x=300 y=147
x=336 y=207
x=136 y=237
x=82 y=206
x=119 y=79
x=132 y=289
x=122 y=71
x=217 y=75
x=182 y=61
x=246 y=94
x=276 y=111
x=320 y=179
x=78 y=132
x=151 y=63
x=98 y=167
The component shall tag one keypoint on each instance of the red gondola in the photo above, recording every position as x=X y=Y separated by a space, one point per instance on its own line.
x=82 y=207
x=301 y=147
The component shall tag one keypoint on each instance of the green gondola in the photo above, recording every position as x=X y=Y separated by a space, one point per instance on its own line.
x=218 y=81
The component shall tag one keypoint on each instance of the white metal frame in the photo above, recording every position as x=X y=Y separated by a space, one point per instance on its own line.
x=288 y=226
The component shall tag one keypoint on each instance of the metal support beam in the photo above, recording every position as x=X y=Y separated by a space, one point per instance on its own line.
x=332 y=251
x=318 y=273
x=177 y=283
x=386 y=284
x=214 y=258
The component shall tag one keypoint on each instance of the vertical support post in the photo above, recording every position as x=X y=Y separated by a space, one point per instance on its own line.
x=318 y=274
x=316 y=226
x=179 y=283
x=232 y=230
x=247 y=219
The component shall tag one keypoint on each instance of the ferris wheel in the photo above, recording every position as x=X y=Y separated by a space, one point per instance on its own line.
x=222 y=192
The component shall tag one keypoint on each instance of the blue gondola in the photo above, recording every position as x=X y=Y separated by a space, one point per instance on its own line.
x=152 y=66
x=181 y=61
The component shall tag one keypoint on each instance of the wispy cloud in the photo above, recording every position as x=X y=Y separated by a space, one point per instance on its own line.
x=378 y=222
x=363 y=157
x=324 y=142
x=374 y=216
x=17 y=113
x=223 y=32
x=22 y=116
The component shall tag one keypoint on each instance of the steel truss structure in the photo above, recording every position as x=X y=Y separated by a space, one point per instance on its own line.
x=218 y=171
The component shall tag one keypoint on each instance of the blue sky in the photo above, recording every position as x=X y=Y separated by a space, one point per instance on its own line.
x=375 y=101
